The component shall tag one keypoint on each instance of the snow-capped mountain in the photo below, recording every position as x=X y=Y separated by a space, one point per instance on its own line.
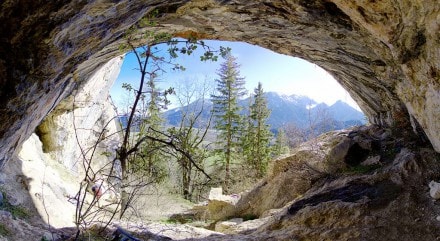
x=288 y=109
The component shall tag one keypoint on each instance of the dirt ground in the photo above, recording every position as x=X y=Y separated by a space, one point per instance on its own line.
x=157 y=204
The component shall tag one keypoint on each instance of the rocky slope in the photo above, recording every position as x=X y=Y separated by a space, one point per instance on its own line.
x=359 y=184
x=325 y=191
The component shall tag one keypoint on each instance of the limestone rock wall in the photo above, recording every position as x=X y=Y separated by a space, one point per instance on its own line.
x=385 y=53
x=46 y=175
x=51 y=187
x=85 y=124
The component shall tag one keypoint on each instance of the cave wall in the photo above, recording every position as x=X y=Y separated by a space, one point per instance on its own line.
x=385 y=53
x=84 y=126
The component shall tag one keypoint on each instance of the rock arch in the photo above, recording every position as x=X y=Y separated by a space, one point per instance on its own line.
x=385 y=53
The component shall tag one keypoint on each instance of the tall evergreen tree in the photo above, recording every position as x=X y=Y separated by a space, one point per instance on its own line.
x=281 y=143
x=153 y=101
x=247 y=143
x=230 y=88
x=259 y=113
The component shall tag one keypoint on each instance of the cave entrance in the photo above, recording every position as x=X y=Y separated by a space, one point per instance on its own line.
x=294 y=89
x=288 y=79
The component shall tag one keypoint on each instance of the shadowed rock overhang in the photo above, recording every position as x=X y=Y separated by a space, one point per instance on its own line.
x=384 y=53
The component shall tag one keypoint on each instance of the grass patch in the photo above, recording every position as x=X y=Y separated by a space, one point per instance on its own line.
x=92 y=236
x=180 y=218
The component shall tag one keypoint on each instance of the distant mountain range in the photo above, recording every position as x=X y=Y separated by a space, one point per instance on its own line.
x=286 y=110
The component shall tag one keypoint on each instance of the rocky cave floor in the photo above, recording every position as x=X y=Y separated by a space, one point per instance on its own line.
x=365 y=183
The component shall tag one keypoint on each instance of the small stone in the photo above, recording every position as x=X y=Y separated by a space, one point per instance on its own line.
x=434 y=189
x=215 y=193
x=372 y=160
x=13 y=200
x=5 y=214
x=385 y=135
x=437 y=218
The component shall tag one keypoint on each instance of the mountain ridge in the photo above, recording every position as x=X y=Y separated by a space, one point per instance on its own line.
x=288 y=109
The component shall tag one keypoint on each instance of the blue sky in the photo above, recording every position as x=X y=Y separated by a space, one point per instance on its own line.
x=279 y=73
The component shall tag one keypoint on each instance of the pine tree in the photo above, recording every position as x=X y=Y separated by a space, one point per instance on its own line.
x=247 y=143
x=259 y=113
x=281 y=143
x=230 y=87
x=153 y=101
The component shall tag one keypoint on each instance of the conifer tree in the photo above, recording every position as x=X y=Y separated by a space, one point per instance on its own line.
x=281 y=143
x=153 y=101
x=230 y=88
x=259 y=113
x=247 y=145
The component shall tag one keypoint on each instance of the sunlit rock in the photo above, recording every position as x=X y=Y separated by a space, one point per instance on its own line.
x=373 y=160
x=50 y=186
x=229 y=226
x=220 y=205
x=85 y=120
x=359 y=204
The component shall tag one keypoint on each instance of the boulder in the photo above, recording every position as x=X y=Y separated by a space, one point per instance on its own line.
x=238 y=225
x=229 y=226
x=220 y=206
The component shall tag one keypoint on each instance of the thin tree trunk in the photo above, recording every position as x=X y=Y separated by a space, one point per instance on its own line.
x=227 y=163
x=124 y=193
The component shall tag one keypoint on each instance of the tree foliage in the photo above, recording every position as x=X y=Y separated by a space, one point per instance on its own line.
x=150 y=65
x=281 y=143
x=259 y=131
x=228 y=121
x=191 y=134
x=150 y=159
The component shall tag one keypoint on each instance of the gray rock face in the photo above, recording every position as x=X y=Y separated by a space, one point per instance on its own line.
x=385 y=53
x=83 y=120
x=434 y=189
